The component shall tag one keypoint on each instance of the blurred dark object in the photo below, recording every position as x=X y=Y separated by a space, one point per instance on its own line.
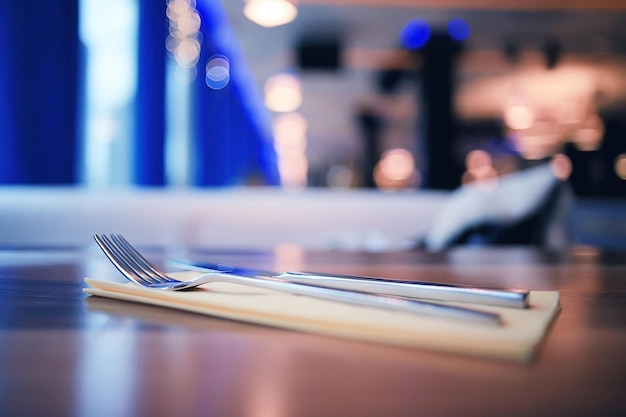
x=389 y=80
x=552 y=50
x=512 y=51
x=370 y=124
x=319 y=54
x=437 y=89
x=594 y=171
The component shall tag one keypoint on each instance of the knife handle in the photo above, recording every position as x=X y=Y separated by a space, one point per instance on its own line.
x=381 y=286
x=387 y=302
x=411 y=289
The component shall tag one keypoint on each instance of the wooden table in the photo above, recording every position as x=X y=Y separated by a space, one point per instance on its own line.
x=63 y=354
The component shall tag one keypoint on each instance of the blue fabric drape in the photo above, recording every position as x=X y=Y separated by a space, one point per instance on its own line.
x=149 y=149
x=38 y=91
x=233 y=141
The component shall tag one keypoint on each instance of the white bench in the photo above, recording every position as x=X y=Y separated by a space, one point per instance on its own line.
x=227 y=218
x=254 y=218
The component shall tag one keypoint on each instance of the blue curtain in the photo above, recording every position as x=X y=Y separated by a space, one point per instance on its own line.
x=38 y=91
x=233 y=141
x=149 y=145
x=40 y=83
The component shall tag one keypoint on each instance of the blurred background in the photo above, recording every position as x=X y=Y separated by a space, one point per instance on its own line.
x=346 y=94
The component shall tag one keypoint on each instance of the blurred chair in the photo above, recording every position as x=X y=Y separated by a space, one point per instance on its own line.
x=526 y=208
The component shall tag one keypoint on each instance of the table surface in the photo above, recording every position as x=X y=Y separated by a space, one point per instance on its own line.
x=65 y=354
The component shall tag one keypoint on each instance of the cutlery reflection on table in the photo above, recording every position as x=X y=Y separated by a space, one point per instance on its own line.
x=410 y=289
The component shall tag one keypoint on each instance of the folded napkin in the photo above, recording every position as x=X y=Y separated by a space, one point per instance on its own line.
x=516 y=340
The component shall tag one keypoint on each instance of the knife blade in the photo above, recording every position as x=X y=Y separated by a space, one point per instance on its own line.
x=512 y=298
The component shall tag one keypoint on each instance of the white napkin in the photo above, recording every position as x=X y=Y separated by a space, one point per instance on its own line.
x=517 y=339
x=505 y=201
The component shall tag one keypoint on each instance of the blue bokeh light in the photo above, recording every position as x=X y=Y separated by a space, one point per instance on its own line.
x=458 y=29
x=217 y=72
x=415 y=34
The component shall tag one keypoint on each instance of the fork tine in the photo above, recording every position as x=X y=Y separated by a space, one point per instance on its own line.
x=138 y=257
x=139 y=265
x=137 y=262
x=117 y=260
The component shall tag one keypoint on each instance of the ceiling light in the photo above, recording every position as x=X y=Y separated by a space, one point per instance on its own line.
x=270 y=13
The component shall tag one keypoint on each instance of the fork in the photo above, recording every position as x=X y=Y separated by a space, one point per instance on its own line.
x=136 y=268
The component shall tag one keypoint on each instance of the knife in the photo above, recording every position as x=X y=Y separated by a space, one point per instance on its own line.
x=512 y=298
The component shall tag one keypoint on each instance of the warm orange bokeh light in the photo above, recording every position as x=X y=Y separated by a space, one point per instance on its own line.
x=184 y=39
x=290 y=144
x=620 y=166
x=480 y=167
x=589 y=135
x=396 y=170
x=561 y=166
x=283 y=93
x=477 y=161
x=290 y=131
x=397 y=164
x=270 y=13
x=519 y=117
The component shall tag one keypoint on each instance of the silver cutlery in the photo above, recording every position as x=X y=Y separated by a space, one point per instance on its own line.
x=410 y=289
x=137 y=269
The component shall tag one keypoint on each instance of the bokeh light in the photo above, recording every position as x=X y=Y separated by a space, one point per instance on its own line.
x=288 y=257
x=293 y=169
x=543 y=139
x=620 y=166
x=458 y=29
x=519 y=117
x=478 y=161
x=290 y=144
x=415 y=34
x=283 y=93
x=397 y=164
x=188 y=24
x=396 y=170
x=270 y=13
x=571 y=111
x=480 y=168
x=536 y=146
x=589 y=134
x=561 y=166
x=290 y=131
x=187 y=52
x=184 y=39
x=339 y=176
x=545 y=110
x=217 y=72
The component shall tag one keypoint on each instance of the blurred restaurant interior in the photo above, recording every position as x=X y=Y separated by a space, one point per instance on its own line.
x=390 y=97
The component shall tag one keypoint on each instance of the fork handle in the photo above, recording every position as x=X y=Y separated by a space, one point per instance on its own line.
x=422 y=290
x=371 y=300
